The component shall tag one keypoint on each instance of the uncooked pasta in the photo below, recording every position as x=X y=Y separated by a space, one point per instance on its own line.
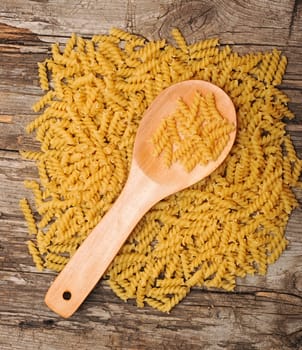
x=230 y=224
x=194 y=134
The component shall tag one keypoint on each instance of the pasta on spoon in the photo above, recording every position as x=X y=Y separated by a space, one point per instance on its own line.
x=194 y=134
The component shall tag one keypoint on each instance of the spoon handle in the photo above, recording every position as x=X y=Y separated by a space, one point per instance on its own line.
x=91 y=260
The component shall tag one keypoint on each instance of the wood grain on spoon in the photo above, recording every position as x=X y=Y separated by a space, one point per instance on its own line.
x=149 y=181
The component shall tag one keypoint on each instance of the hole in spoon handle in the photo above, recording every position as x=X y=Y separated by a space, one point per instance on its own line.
x=66 y=295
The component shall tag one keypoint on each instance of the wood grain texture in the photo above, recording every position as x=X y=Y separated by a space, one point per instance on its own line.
x=265 y=312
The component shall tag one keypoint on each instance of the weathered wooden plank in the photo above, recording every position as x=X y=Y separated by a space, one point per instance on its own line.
x=113 y=325
x=232 y=21
x=196 y=18
x=57 y=17
x=252 y=320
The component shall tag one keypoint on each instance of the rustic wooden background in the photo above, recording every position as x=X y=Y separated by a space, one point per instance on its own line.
x=264 y=312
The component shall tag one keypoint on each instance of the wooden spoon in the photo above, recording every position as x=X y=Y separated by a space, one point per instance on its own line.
x=149 y=181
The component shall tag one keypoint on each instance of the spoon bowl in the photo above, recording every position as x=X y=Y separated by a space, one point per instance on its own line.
x=148 y=182
x=164 y=105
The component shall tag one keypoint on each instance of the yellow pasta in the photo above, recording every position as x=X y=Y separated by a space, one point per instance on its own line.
x=180 y=40
x=194 y=134
x=228 y=225
x=36 y=256
x=28 y=215
x=43 y=76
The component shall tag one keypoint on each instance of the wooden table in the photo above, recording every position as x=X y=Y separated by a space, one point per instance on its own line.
x=263 y=312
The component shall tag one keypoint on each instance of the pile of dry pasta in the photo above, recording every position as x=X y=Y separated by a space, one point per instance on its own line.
x=229 y=224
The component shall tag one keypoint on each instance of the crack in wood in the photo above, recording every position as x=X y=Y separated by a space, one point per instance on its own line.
x=295 y=339
x=47 y=323
x=292 y=19
x=131 y=16
x=281 y=297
